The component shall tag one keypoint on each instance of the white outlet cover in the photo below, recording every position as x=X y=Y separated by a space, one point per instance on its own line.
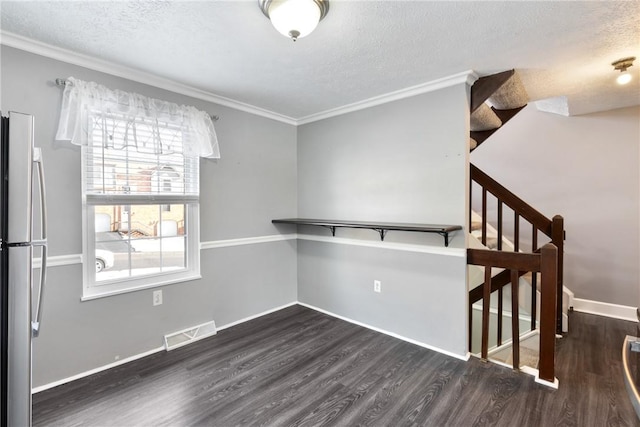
x=377 y=286
x=157 y=297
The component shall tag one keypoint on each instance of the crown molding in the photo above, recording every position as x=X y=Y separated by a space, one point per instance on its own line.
x=43 y=49
x=467 y=77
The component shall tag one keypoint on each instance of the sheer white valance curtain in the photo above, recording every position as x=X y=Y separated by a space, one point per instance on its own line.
x=84 y=101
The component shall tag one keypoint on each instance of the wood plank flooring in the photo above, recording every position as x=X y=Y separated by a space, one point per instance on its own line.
x=298 y=367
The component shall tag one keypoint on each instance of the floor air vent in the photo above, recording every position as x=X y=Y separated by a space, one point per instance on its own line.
x=189 y=335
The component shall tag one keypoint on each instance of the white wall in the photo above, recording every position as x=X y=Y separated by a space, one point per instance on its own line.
x=584 y=168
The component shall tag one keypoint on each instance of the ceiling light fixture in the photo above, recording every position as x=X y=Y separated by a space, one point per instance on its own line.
x=295 y=18
x=622 y=65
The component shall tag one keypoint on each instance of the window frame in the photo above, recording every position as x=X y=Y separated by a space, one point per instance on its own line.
x=93 y=289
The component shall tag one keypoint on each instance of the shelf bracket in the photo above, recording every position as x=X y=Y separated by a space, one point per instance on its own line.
x=382 y=232
x=381 y=227
x=446 y=238
x=332 y=228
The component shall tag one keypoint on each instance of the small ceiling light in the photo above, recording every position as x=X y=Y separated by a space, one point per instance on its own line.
x=295 y=18
x=622 y=65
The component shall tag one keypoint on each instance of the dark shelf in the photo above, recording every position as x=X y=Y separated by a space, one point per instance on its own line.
x=380 y=227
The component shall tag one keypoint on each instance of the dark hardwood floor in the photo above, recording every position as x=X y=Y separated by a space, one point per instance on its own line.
x=303 y=368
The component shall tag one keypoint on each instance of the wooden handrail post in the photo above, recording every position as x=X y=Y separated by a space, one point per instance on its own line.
x=557 y=238
x=548 y=300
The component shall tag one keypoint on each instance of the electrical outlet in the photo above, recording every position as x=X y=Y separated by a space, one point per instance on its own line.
x=377 y=286
x=157 y=297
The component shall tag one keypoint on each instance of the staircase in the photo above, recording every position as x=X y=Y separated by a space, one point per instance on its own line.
x=516 y=253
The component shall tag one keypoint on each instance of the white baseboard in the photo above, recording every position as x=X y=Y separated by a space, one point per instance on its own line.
x=392 y=334
x=246 y=319
x=145 y=354
x=555 y=384
x=96 y=370
x=605 y=309
x=255 y=316
x=569 y=294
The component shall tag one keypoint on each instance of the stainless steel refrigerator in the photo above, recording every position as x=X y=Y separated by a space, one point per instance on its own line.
x=21 y=296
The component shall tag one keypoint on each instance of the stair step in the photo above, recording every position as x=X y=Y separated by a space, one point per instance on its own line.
x=529 y=352
x=484 y=119
x=510 y=95
x=492 y=243
x=495 y=99
x=503 y=115
x=486 y=86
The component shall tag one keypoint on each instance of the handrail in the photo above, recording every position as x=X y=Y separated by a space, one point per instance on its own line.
x=552 y=228
x=540 y=221
x=498 y=281
x=544 y=262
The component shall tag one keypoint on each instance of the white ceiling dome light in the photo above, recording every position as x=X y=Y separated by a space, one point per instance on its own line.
x=295 y=18
x=622 y=65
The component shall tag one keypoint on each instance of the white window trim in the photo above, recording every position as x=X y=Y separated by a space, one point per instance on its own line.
x=92 y=291
x=82 y=100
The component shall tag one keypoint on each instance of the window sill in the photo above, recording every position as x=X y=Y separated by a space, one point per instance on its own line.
x=97 y=293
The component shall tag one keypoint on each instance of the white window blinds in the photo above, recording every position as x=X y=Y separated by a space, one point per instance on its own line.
x=127 y=160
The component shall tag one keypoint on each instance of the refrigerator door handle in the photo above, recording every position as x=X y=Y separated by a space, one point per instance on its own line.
x=37 y=159
x=35 y=324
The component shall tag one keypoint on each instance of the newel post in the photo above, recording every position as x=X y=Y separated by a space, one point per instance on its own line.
x=557 y=238
x=549 y=271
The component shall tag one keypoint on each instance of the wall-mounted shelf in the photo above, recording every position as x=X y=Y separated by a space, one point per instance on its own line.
x=380 y=227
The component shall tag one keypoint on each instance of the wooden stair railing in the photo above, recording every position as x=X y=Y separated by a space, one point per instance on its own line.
x=552 y=228
x=544 y=262
x=505 y=91
x=498 y=282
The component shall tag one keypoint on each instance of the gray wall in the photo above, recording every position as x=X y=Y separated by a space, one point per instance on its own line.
x=254 y=182
x=584 y=168
x=404 y=161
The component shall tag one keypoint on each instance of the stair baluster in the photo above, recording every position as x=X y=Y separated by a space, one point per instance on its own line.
x=552 y=228
x=534 y=281
x=507 y=96
x=514 y=263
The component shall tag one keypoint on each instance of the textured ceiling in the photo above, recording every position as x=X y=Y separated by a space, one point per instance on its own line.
x=362 y=49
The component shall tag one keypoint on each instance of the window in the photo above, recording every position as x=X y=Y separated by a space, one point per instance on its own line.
x=140 y=183
x=141 y=212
